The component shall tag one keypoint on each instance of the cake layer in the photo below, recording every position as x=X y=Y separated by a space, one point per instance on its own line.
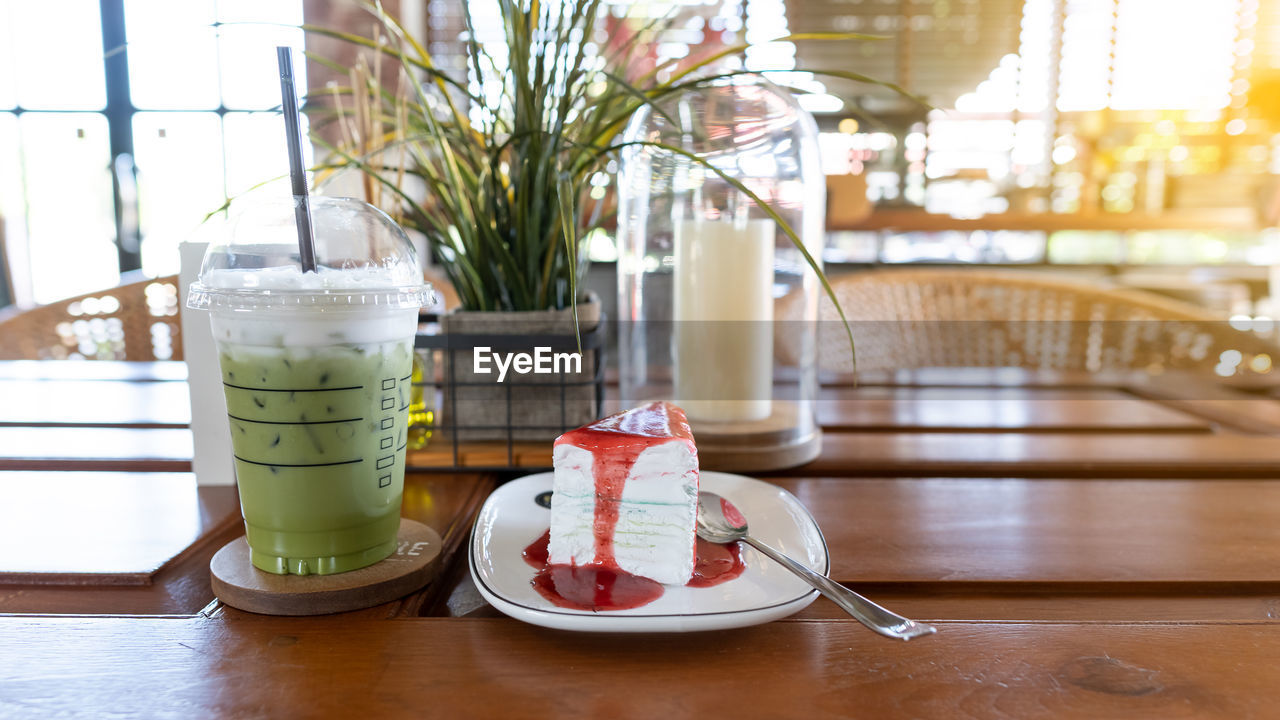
x=626 y=495
x=652 y=535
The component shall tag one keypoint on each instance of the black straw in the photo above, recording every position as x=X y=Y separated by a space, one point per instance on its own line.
x=298 y=175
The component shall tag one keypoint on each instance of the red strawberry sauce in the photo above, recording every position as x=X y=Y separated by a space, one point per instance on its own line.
x=596 y=588
x=615 y=443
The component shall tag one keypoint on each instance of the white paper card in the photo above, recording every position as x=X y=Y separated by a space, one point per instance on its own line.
x=211 y=432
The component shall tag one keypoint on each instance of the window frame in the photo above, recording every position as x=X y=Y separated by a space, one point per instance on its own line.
x=119 y=113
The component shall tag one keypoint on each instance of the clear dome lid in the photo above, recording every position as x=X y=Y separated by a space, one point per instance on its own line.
x=363 y=258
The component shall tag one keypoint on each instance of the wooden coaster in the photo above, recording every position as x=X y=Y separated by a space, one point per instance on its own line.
x=239 y=584
x=759 y=446
x=777 y=428
x=744 y=458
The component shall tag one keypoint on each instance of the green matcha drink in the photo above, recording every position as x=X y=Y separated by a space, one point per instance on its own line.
x=316 y=371
x=319 y=439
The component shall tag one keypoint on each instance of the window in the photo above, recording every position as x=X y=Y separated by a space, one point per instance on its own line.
x=117 y=140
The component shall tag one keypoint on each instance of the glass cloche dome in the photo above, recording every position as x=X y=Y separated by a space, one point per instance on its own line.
x=718 y=304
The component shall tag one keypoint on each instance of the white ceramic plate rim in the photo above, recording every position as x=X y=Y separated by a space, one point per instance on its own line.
x=585 y=620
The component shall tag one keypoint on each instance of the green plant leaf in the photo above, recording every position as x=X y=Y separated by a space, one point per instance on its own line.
x=505 y=172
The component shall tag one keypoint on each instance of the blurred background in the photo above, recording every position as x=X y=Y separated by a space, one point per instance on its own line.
x=1132 y=140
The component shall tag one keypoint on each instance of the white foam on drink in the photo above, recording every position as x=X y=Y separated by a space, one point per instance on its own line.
x=357 y=313
x=292 y=278
x=314 y=327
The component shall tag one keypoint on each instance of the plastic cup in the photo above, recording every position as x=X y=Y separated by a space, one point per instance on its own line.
x=316 y=371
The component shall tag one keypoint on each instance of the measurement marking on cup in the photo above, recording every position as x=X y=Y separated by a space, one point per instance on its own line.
x=295 y=422
x=255 y=462
x=259 y=389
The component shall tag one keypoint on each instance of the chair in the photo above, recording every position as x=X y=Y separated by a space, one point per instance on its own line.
x=136 y=321
x=941 y=317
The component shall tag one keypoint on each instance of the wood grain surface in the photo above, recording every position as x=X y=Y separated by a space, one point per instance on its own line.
x=1085 y=532
x=100 y=403
x=1091 y=455
x=1034 y=603
x=269 y=667
x=180 y=587
x=963 y=422
x=844 y=453
x=997 y=409
x=1131 y=603
x=444 y=501
x=85 y=528
x=135 y=403
x=1089 y=547
x=94 y=448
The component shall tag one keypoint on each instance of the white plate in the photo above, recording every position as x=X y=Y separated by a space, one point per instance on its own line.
x=512 y=519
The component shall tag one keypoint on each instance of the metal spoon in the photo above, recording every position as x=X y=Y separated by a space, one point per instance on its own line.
x=720 y=522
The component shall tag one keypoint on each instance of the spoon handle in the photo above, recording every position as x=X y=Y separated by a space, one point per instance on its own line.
x=863 y=610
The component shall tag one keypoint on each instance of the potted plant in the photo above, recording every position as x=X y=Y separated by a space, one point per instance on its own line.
x=502 y=182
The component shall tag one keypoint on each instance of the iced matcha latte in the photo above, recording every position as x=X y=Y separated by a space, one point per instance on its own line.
x=316 y=371
x=319 y=438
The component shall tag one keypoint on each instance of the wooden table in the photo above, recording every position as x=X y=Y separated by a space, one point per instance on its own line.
x=1088 y=547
